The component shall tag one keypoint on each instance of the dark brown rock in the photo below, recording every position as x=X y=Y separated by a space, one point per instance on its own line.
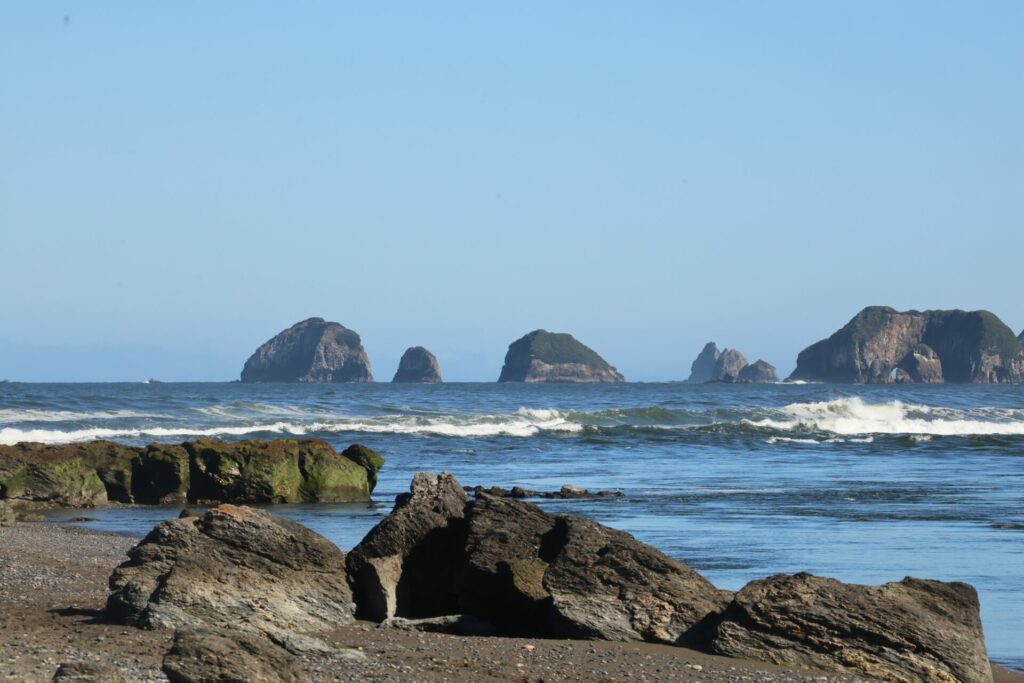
x=234 y=566
x=403 y=567
x=913 y=630
x=221 y=655
x=418 y=366
x=313 y=350
x=920 y=366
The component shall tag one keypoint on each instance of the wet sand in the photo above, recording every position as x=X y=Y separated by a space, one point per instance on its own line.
x=53 y=585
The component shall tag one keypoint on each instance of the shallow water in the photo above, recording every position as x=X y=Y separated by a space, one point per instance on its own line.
x=866 y=484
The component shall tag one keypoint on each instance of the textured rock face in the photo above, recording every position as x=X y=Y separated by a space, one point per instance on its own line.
x=728 y=366
x=313 y=350
x=543 y=356
x=278 y=471
x=704 y=365
x=403 y=567
x=234 y=567
x=220 y=655
x=87 y=672
x=758 y=372
x=908 y=631
x=418 y=365
x=962 y=346
x=7 y=515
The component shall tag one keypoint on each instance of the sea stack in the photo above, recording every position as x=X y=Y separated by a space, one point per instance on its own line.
x=881 y=345
x=313 y=350
x=543 y=356
x=729 y=366
x=418 y=366
x=704 y=364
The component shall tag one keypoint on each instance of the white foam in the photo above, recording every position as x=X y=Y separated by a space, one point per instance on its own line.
x=15 y=415
x=854 y=417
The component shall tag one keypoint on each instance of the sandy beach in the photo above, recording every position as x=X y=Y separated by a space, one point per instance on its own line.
x=53 y=586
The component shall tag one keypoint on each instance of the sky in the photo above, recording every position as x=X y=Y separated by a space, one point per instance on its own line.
x=181 y=181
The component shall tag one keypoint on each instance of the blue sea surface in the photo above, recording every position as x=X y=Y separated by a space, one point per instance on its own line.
x=865 y=484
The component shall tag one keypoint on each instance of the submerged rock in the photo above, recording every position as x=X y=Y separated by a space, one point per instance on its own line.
x=313 y=350
x=543 y=356
x=223 y=655
x=758 y=372
x=418 y=365
x=568 y=491
x=956 y=346
x=704 y=365
x=277 y=471
x=913 y=630
x=235 y=567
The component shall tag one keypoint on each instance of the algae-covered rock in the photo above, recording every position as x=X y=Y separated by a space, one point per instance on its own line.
x=543 y=356
x=114 y=464
x=161 y=475
x=51 y=474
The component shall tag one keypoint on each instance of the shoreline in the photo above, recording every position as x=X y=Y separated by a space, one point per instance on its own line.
x=53 y=589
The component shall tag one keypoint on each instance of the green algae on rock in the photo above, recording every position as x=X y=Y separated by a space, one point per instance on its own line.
x=543 y=356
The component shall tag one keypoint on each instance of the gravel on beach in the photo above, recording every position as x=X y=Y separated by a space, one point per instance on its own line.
x=53 y=586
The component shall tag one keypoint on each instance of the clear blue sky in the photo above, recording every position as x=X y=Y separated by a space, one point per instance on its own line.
x=180 y=181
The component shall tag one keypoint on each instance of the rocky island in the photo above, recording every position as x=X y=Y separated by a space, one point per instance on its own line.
x=101 y=472
x=543 y=356
x=881 y=345
x=313 y=350
x=418 y=365
x=729 y=366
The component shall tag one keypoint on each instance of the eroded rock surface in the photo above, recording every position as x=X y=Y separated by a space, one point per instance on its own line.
x=313 y=350
x=236 y=567
x=879 y=342
x=912 y=630
x=87 y=672
x=543 y=356
x=418 y=366
x=222 y=655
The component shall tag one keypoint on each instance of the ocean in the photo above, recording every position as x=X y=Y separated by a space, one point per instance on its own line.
x=866 y=484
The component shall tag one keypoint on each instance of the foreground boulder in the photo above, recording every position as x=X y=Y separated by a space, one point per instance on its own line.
x=236 y=567
x=418 y=366
x=908 y=631
x=7 y=515
x=403 y=567
x=220 y=655
x=87 y=672
x=952 y=346
x=313 y=350
x=543 y=356
x=277 y=471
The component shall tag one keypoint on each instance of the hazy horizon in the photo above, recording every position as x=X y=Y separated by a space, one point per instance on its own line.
x=174 y=192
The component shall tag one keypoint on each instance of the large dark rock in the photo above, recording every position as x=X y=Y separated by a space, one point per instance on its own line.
x=223 y=655
x=277 y=471
x=967 y=346
x=758 y=372
x=543 y=356
x=403 y=567
x=908 y=631
x=728 y=366
x=704 y=365
x=313 y=350
x=236 y=567
x=418 y=366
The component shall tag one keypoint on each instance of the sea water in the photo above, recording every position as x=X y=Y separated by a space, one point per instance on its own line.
x=865 y=484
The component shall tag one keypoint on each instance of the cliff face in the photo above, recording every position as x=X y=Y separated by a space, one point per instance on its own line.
x=881 y=345
x=418 y=365
x=703 y=366
x=543 y=356
x=313 y=350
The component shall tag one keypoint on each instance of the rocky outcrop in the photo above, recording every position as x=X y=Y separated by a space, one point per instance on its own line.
x=222 y=655
x=704 y=365
x=98 y=472
x=418 y=366
x=959 y=346
x=313 y=350
x=729 y=366
x=87 y=672
x=403 y=565
x=234 y=567
x=908 y=631
x=758 y=372
x=543 y=356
